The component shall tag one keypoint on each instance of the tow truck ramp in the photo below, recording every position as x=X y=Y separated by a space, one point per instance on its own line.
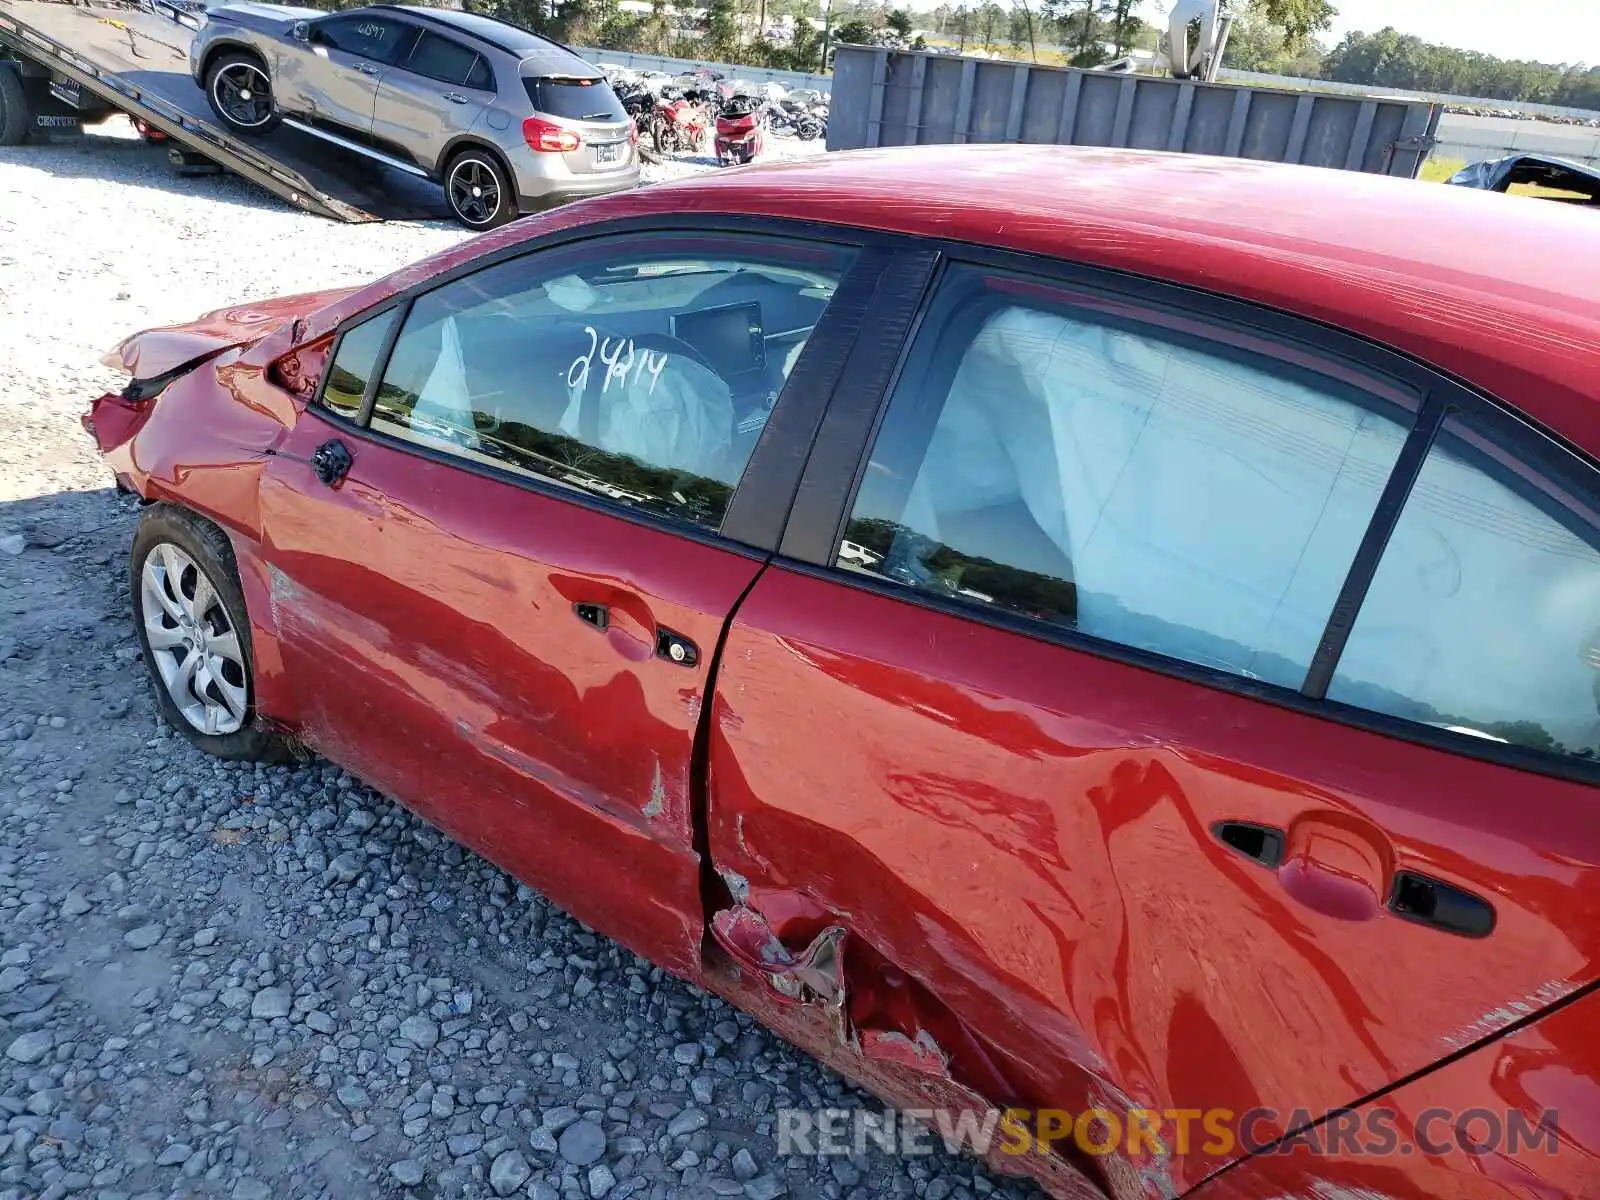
x=93 y=57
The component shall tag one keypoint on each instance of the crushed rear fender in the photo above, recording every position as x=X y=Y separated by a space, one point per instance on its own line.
x=200 y=414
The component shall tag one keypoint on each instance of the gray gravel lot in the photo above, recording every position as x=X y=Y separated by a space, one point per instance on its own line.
x=228 y=981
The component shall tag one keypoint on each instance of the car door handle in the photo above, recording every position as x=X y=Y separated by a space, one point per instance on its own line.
x=1259 y=843
x=1344 y=890
x=625 y=638
x=455 y=98
x=1439 y=905
x=366 y=68
x=1331 y=863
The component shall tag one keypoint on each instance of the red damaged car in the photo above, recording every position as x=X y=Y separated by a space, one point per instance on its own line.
x=1107 y=638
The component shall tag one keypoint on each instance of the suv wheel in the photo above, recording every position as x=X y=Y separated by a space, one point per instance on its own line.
x=240 y=92
x=478 y=190
x=195 y=634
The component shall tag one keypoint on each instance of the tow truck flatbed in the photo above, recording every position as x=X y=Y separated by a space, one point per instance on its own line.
x=137 y=61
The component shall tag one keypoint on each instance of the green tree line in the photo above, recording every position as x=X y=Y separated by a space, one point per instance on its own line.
x=1265 y=38
x=1393 y=60
x=733 y=31
x=1277 y=36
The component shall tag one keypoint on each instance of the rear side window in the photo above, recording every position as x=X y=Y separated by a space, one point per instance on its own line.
x=1046 y=456
x=481 y=77
x=354 y=363
x=440 y=58
x=575 y=99
x=1484 y=616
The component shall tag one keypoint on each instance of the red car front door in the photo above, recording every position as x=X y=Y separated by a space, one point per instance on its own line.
x=1039 y=756
x=504 y=611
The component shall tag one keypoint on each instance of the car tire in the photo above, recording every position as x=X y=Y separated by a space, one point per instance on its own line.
x=193 y=626
x=479 y=190
x=16 y=114
x=239 y=91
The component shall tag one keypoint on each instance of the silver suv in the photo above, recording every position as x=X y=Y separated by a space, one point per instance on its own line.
x=505 y=120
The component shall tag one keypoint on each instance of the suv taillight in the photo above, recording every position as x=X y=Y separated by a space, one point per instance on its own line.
x=548 y=138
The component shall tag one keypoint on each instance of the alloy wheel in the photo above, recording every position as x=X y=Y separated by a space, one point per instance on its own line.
x=244 y=94
x=194 y=647
x=474 y=191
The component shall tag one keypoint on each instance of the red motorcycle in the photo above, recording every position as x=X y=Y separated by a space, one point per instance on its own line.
x=740 y=137
x=679 y=123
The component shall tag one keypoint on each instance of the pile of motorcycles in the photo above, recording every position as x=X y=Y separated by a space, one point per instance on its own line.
x=679 y=114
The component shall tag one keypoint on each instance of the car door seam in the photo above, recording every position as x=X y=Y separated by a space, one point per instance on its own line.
x=713 y=891
x=1374 y=1096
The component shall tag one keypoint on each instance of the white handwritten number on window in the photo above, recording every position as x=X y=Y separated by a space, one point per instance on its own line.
x=638 y=362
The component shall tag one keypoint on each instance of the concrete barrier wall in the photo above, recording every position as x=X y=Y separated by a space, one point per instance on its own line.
x=1261 y=79
x=1473 y=138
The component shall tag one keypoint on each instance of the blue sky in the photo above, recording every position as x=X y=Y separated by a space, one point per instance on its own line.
x=1546 y=30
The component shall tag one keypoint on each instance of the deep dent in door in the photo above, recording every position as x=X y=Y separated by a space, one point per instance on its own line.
x=1032 y=841
x=912 y=1074
x=827 y=989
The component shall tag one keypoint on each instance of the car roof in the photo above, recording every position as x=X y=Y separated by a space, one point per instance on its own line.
x=1500 y=290
x=544 y=55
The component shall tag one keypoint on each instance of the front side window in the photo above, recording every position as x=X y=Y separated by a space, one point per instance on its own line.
x=1049 y=456
x=369 y=37
x=354 y=363
x=1484 y=616
x=641 y=372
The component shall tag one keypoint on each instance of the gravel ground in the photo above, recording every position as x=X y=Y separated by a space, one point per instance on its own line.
x=225 y=981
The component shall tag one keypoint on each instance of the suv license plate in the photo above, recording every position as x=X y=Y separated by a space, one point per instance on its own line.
x=605 y=152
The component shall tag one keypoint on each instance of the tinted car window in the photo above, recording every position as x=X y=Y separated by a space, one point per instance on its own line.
x=613 y=371
x=365 y=36
x=354 y=363
x=575 y=99
x=440 y=58
x=481 y=77
x=1484 y=615
x=1122 y=480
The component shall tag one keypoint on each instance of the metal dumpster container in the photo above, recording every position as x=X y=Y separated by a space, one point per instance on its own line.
x=906 y=98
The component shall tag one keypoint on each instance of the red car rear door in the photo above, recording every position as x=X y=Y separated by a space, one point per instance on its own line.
x=1176 y=709
x=502 y=601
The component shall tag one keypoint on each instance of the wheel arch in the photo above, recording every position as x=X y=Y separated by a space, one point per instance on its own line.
x=473 y=141
x=231 y=45
x=274 y=700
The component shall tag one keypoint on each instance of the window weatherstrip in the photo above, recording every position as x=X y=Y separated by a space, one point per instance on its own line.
x=764 y=498
x=380 y=367
x=1364 y=568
